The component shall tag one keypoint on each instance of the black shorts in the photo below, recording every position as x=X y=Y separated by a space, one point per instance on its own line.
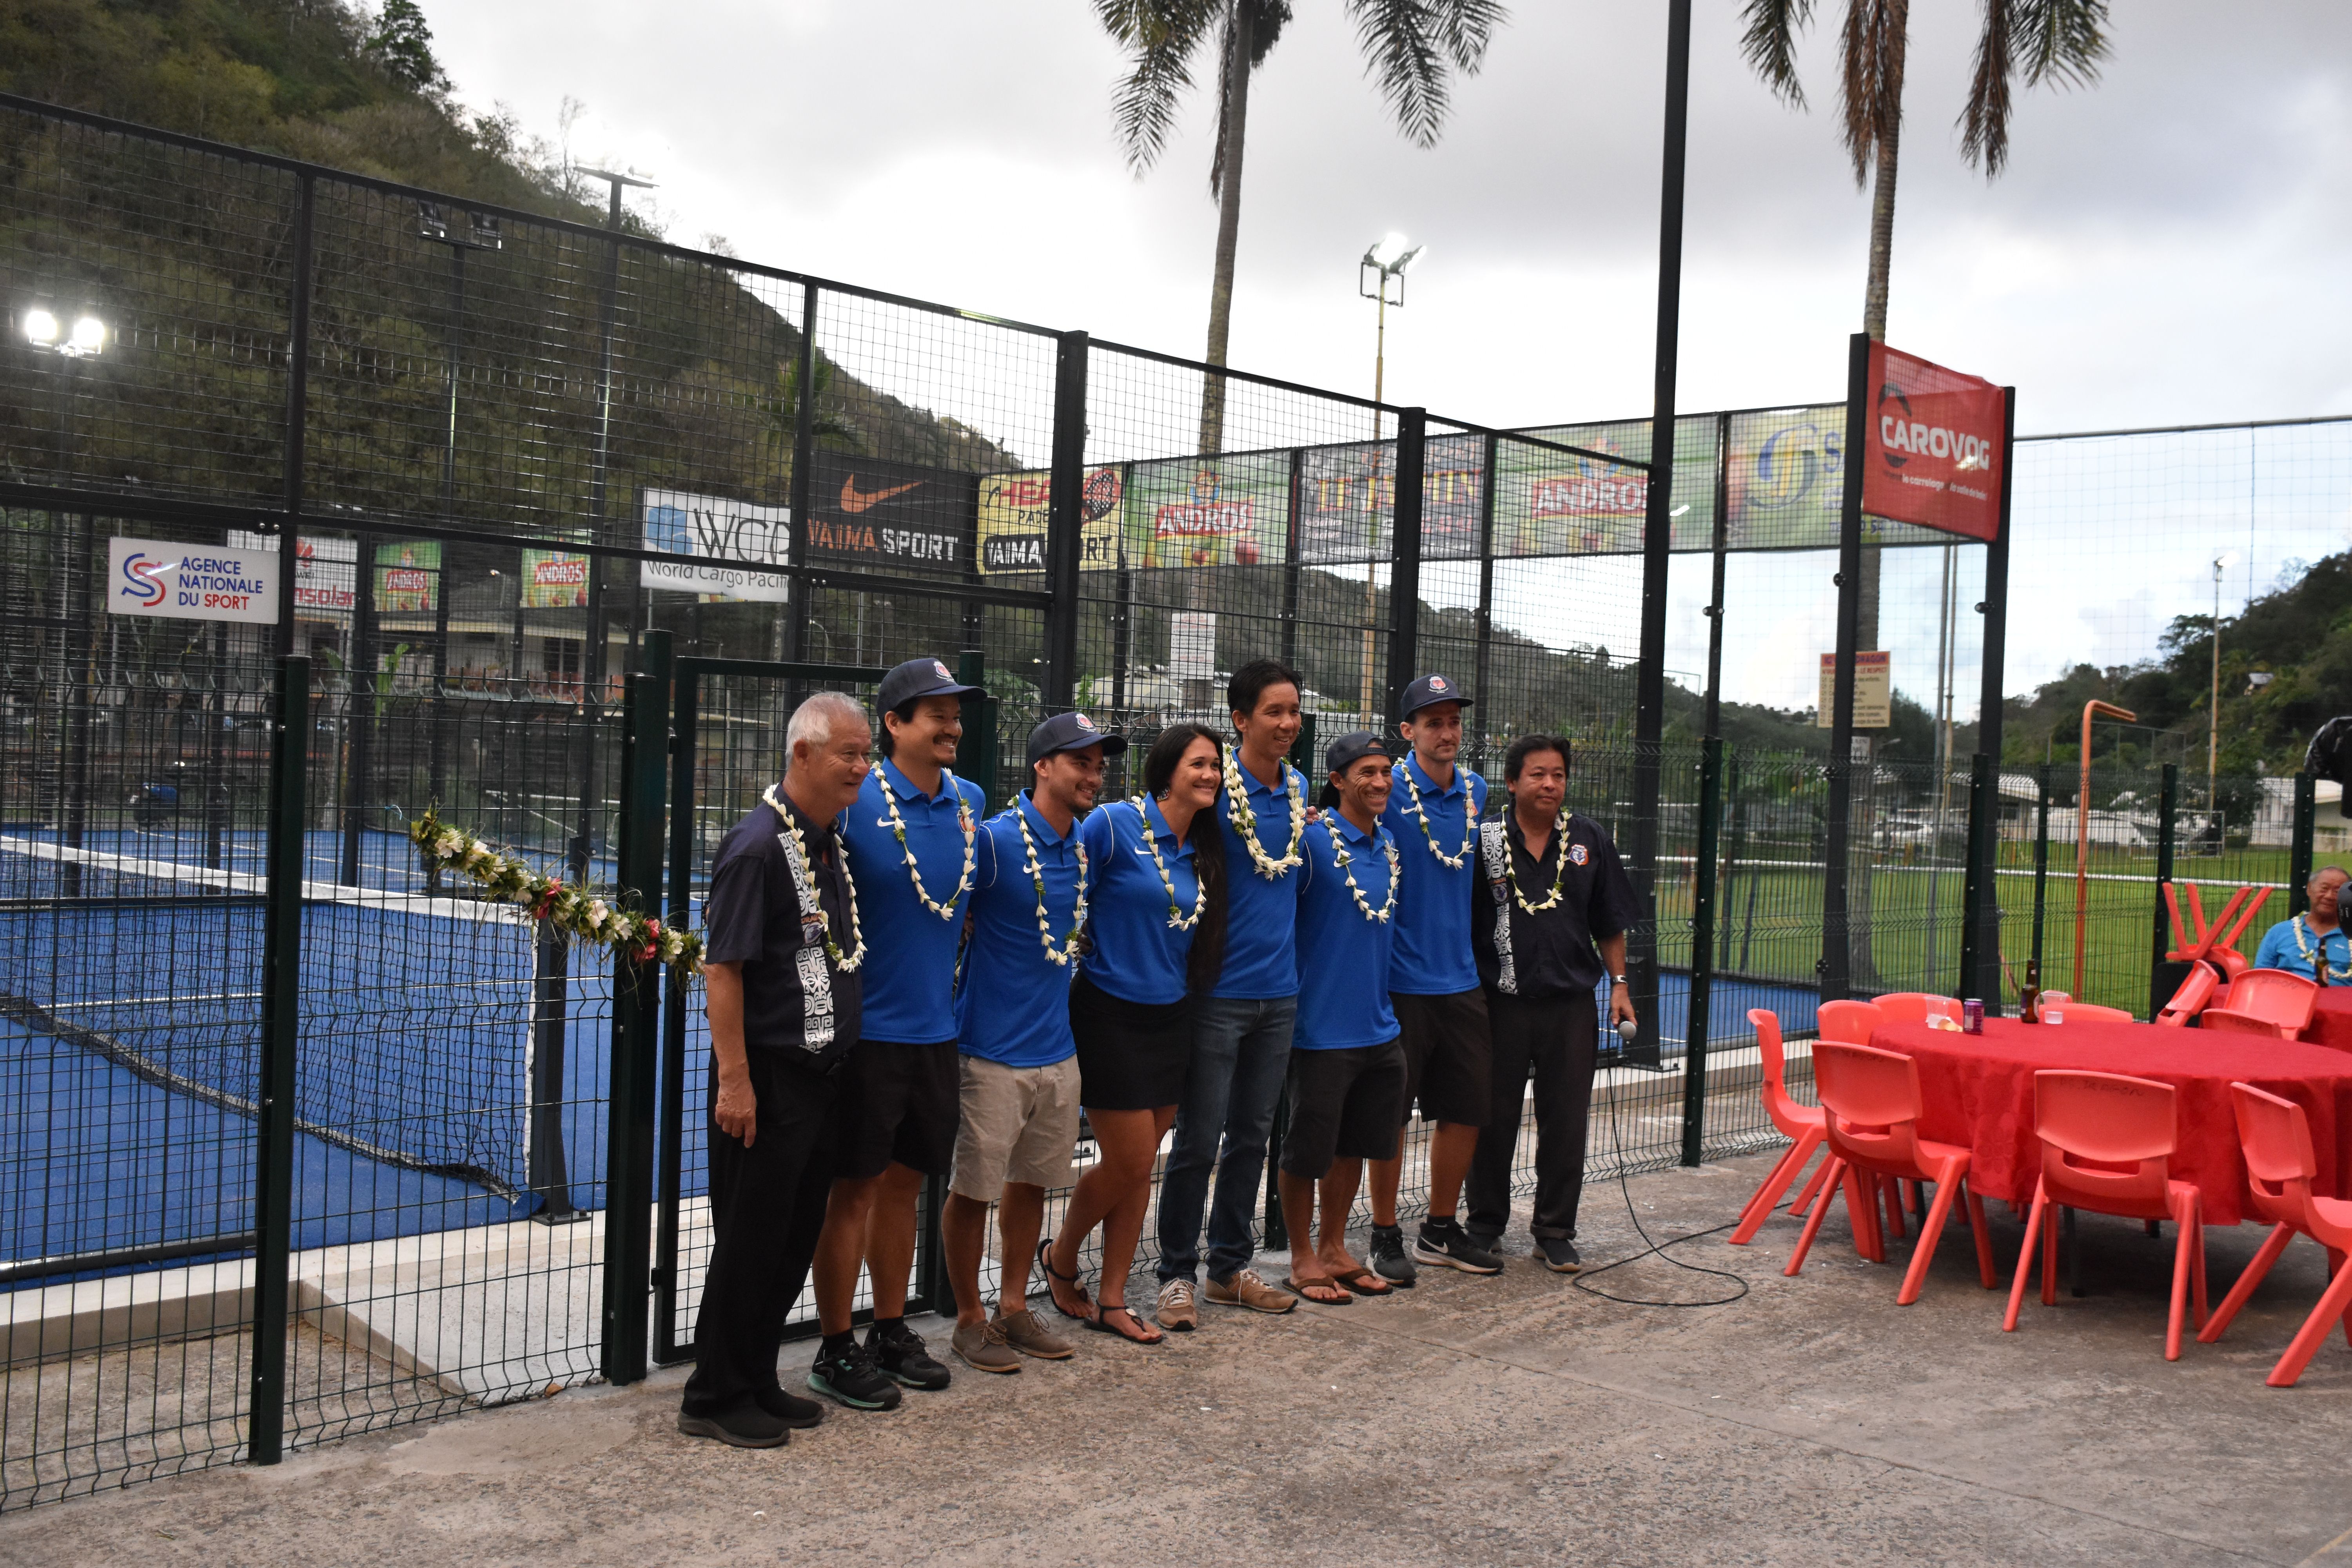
x=1344 y=1104
x=1132 y=1056
x=1448 y=1056
x=894 y=1102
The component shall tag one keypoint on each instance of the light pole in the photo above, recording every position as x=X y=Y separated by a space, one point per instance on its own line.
x=46 y=332
x=1378 y=275
x=2222 y=564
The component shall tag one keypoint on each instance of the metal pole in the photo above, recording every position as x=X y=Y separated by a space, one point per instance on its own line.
x=2166 y=811
x=1991 y=680
x=803 y=483
x=1404 y=569
x=1657 y=540
x=281 y=962
x=298 y=409
x=1837 y=944
x=437 y=762
x=1702 y=971
x=1483 y=655
x=2041 y=858
x=2300 y=853
x=359 y=706
x=684 y=847
x=636 y=1004
x=1290 y=567
x=1064 y=529
x=1976 y=965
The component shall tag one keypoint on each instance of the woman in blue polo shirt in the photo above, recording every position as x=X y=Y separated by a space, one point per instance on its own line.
x=1155 y=939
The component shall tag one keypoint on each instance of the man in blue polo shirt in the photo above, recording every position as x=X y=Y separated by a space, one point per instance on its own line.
x=913 y=837
x=1241 y=1042
x=1019 y=1066
x=1433 y=812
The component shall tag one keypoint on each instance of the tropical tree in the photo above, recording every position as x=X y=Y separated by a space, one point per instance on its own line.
x=1411 y=47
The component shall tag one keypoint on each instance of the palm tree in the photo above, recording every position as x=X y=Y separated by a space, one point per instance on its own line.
x=2060 y=41
x=1410 y=46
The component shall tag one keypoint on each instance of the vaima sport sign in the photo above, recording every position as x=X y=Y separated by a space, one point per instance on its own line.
x=1932 y=445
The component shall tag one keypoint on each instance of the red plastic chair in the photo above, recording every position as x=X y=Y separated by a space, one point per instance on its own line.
x=2106 y=1142
x=2229 y=1021
x=1873 y=1103
x=2093 y=1013
x=1853 y=1023
x=2193 y=996
x=1800 y=1122
x=2274 y=994
x=1914 y=1007
x=2276 y=1139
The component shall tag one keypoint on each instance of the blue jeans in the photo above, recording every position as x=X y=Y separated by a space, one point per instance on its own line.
x=1240 y=1054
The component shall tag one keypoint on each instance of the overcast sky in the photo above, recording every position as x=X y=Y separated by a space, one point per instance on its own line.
x=2171 y=246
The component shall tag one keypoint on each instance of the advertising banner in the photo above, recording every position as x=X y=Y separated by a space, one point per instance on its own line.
x=1556 y=504
x=901 y=518
x=191 y=582
x=1932 y=445
x=727 y=531
x=1229 y=510
x=555 y=580
x=326 y=570
x=1013 y=517
x=407 y=575
x=1874 y=692
x=1347 y=499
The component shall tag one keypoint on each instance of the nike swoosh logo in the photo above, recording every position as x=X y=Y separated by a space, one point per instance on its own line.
x=854 y=500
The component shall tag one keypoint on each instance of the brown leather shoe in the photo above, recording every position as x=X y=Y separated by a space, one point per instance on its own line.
x=1245 y=1287
x=1025 y=1332
x=983 y=1347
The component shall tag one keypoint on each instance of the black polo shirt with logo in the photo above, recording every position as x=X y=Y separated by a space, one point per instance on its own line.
x=795 y=998
x=1550 y=954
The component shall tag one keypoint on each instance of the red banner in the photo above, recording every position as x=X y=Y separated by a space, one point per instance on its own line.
x=1932 y=447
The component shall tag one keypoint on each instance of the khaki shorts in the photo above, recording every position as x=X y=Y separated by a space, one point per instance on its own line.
x=1019 y=1124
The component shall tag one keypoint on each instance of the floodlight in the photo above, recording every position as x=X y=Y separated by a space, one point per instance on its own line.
x=486 y=235
x=88 y=337
x=430 y=223
x=2223 y=561
x=40 y=328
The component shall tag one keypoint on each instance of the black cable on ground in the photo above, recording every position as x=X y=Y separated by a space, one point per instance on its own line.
x=1654 y=1248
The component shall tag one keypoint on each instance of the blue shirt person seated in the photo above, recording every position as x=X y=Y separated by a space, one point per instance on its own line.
x=2296 y=943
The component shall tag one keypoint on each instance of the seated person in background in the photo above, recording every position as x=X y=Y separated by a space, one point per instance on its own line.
x=2295 y=945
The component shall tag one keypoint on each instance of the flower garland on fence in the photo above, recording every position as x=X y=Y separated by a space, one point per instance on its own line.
x=578 y=914
x=1244 y=820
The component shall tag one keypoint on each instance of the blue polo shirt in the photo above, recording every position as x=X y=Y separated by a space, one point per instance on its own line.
x=1432 y=954
x=910 y=953
x=1262 y=912
x=1341 y=1005
x=2280 y=950
x=1134 y=954
x=1014 y=1004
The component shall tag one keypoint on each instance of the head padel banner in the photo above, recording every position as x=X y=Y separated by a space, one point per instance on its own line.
x=1932 y=445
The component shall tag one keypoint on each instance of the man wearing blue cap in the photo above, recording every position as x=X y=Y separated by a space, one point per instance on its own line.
x=913 y=837
x=1433 y=812
x=1019 y=1060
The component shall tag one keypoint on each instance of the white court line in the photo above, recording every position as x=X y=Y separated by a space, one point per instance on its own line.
x=251 y=882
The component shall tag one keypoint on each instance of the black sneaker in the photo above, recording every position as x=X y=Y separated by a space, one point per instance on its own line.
x=790 y=1408
x=1558 y=1254
x=742 y=1425
x=1389 y=1259
x=1442 y=1244
x=848 y=1376
x=899 y=1351
x=1490 y=1240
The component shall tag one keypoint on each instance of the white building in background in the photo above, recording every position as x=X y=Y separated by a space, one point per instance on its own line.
x=2275 y=817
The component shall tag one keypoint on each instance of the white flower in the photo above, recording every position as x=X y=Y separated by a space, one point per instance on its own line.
x=598 y=912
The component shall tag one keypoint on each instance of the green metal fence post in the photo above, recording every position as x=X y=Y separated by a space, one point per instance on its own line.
x=281 y=995
x=678 y=910
x=637 y=1030
x=2162 y=981
x=1979 y=900
x=1701 y=969
x=2300 y=854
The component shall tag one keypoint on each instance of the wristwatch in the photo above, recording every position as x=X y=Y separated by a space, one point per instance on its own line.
x=1616 y=980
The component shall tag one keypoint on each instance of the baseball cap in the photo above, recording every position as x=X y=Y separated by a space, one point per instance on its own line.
x=1428 y=691
x=1352 y=748
x=1070 y=732
x=918 y=677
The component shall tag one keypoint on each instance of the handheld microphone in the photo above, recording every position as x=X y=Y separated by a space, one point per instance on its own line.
x=1627 y=1030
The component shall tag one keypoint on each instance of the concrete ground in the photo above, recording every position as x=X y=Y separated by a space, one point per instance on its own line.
x=1487 y=1421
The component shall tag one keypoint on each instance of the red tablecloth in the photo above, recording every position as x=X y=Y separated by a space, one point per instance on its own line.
x=2331 y=1018
x=1979 y=1090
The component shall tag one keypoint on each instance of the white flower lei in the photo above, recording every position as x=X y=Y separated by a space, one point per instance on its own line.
x=945 y=911
x=1069 y=948
x=1469 y=822
x=2302 y=945
x=1559 y=847
x=1176 y=920
x=800 y=858
x=1244 y=820
x=1344 y=861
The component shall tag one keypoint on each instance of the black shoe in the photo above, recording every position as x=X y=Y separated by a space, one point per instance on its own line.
x=899 y=1351
x=1389 y=1259
x=848 y=1376
x=1442 y=1244
x=1489 y=1240
x=1558 y=1254
x=790 y=1408
x=742 y=1425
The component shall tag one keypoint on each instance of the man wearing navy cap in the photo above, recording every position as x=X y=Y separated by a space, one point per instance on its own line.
x=913 y=839
x=1019 y=1062
x=1433 y=812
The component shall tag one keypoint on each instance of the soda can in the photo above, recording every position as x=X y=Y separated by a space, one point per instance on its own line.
x=1972 y=1016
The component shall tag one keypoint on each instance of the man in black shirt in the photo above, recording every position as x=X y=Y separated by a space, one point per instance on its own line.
x=781 y=959
x=1549 y=887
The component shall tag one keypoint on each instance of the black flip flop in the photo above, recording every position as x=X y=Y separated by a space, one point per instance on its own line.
x=1296 y=1289
x=1354 y=1283
x=1101 y=1327
x=1045 y=1261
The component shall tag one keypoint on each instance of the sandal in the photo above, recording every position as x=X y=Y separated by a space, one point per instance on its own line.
x=1337 y=1298
x=1100 y=1324
x=1364 y=1282
x=1045 y=1261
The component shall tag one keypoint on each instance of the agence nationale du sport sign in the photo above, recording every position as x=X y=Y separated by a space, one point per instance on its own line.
x=191 y=582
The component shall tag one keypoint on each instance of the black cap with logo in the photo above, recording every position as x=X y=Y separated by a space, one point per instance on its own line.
x=1428 y=692
x=916 y=679
x=1070 y=732
x=1352 y=748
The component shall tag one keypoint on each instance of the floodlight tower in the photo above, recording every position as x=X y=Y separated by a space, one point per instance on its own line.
x=1379 y=275
x=2222 y=564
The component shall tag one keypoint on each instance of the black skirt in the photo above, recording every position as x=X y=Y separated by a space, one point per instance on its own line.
x=1132 y=1056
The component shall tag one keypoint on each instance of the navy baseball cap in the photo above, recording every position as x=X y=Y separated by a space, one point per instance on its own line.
x=919 y=678
x=1427 y=692
x=1352 y=748
x=1070 y=732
